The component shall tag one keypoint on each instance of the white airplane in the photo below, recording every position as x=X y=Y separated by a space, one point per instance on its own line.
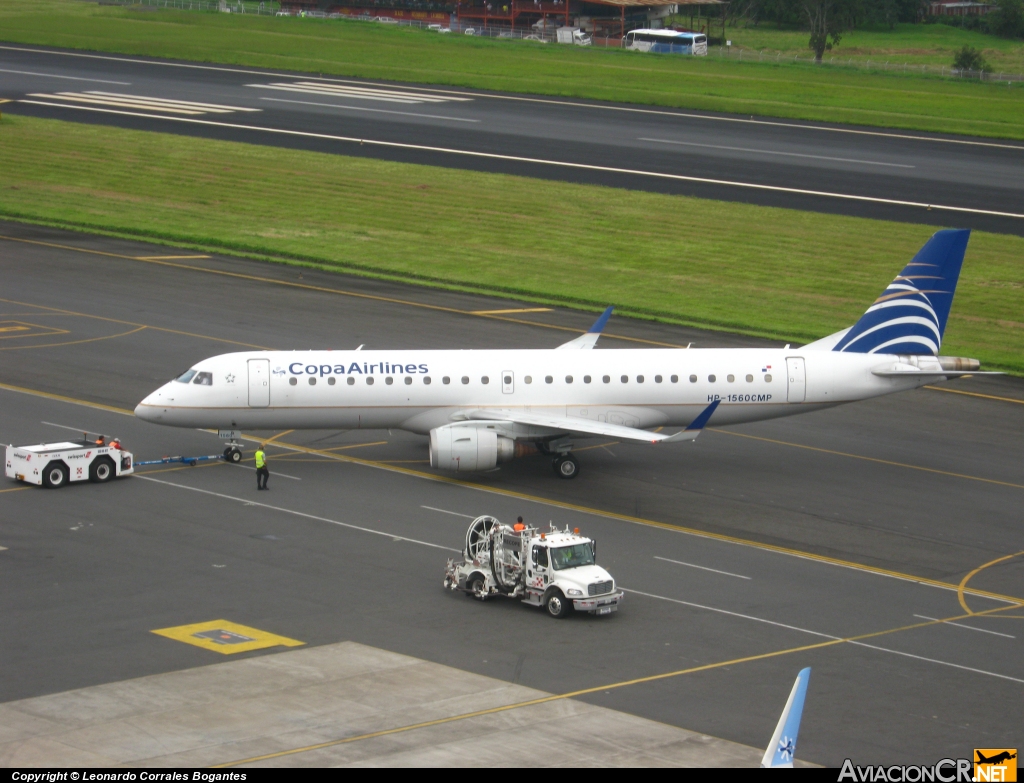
x=482 y=408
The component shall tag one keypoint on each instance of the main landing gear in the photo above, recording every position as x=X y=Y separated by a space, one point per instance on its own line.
x=566 y=466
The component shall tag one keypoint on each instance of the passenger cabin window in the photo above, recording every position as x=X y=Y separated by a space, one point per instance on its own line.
x=568 y=379
x=312 y=381
x=426 y=380
x=507 y=380
x=331 y=381
x=657 y=379
x=446 y=380
x=693 y=379
x=768 y=378
x=408 y=380
x=674 y=379
x=351 y=381
x=750 y=379
x=586 y=379
x=730 y=378
x=624 y=379
x=185 y=377
x=548 y=379
x=389 y=380
x=639 y=379
x=294 y=381
x=204 y=379
x=369 y=381
x=485 y=380
x=465 y=379
x=528 y=379
x=711 y=379
x=606 y=379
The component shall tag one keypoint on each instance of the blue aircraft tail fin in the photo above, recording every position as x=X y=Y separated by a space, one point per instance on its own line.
x=782 y=748
x=910 y=315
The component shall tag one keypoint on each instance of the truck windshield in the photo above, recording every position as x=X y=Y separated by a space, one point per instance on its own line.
x=572 y=556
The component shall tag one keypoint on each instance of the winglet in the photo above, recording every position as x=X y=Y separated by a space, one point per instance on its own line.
x=601 y=322
x=589 y=340
x=782 y=748
x=696 y=426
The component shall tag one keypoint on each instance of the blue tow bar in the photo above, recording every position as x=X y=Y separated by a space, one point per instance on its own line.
x=193 y=461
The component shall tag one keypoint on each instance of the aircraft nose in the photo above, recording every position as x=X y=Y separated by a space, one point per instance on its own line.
x=148 y=409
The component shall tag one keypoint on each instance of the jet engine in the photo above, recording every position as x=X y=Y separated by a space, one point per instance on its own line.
x=466 y=448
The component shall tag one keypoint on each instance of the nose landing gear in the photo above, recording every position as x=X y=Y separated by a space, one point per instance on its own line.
x=232 y=454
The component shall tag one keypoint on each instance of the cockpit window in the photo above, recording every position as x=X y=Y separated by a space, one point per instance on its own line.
x=572 y=556
x=204 y=379
x=185 y=377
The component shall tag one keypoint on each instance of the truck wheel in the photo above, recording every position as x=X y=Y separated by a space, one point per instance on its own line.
x=477 y=587
x=566 y=466
x=102 y=470
x=232 y=454
x=56 y=475
x=557 y=604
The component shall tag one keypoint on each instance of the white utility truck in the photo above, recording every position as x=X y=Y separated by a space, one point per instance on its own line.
x=572 y=35
x=55 y=464
x=556 y=569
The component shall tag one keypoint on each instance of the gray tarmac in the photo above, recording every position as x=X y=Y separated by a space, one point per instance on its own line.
x=834 y=539
x=895 y=175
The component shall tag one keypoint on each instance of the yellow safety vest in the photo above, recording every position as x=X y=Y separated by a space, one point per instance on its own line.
x=261 y=459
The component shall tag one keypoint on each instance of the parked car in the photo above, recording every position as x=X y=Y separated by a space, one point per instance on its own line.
x=470 y=31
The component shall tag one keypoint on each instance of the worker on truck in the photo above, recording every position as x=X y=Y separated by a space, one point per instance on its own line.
x=262 y=471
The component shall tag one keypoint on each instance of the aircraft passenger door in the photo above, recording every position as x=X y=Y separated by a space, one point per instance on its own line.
x=259 y=383
x=508 y=382
x=797 y=389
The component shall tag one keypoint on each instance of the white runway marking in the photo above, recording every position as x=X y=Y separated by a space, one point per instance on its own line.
x=453 y=513
x=556 y=163
x=367 y=108
x=574 y=104
x=360 y=92
x=296 y=513
x=825 y=635
x=774 y=152
x=100 y=98
x=69 y=78
x=966 y=627
x=702 y=568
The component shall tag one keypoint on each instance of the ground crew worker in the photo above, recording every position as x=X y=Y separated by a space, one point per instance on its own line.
x=519 y=526
x=116 y=444
x=262 y=471
x=101 y=441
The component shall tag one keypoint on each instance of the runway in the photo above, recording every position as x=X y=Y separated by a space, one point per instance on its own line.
x=871 y=172
x=837 y=539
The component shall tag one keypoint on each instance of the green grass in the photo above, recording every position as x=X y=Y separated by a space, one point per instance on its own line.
x=781 y=273
x=917 y=44
x=793 y=90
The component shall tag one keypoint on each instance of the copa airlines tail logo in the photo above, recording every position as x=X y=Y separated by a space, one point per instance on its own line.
x=902 y=319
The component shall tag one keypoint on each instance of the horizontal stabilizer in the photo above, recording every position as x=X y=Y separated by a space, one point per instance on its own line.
x=589 y=339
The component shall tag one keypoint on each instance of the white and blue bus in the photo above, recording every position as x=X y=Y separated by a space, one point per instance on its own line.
x=667 y=41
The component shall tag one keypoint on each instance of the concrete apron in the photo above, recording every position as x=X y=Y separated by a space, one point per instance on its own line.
x=257 y=706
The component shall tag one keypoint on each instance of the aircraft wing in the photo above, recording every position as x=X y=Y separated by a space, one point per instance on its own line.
x=589 y=339
x=588 y=427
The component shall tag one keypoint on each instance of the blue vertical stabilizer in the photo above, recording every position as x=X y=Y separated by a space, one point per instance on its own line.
x=910 y=315
x=782 y=748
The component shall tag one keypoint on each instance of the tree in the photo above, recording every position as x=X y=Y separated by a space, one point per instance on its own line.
x=828 y=19
x=969 y=59
x=1008 y=19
